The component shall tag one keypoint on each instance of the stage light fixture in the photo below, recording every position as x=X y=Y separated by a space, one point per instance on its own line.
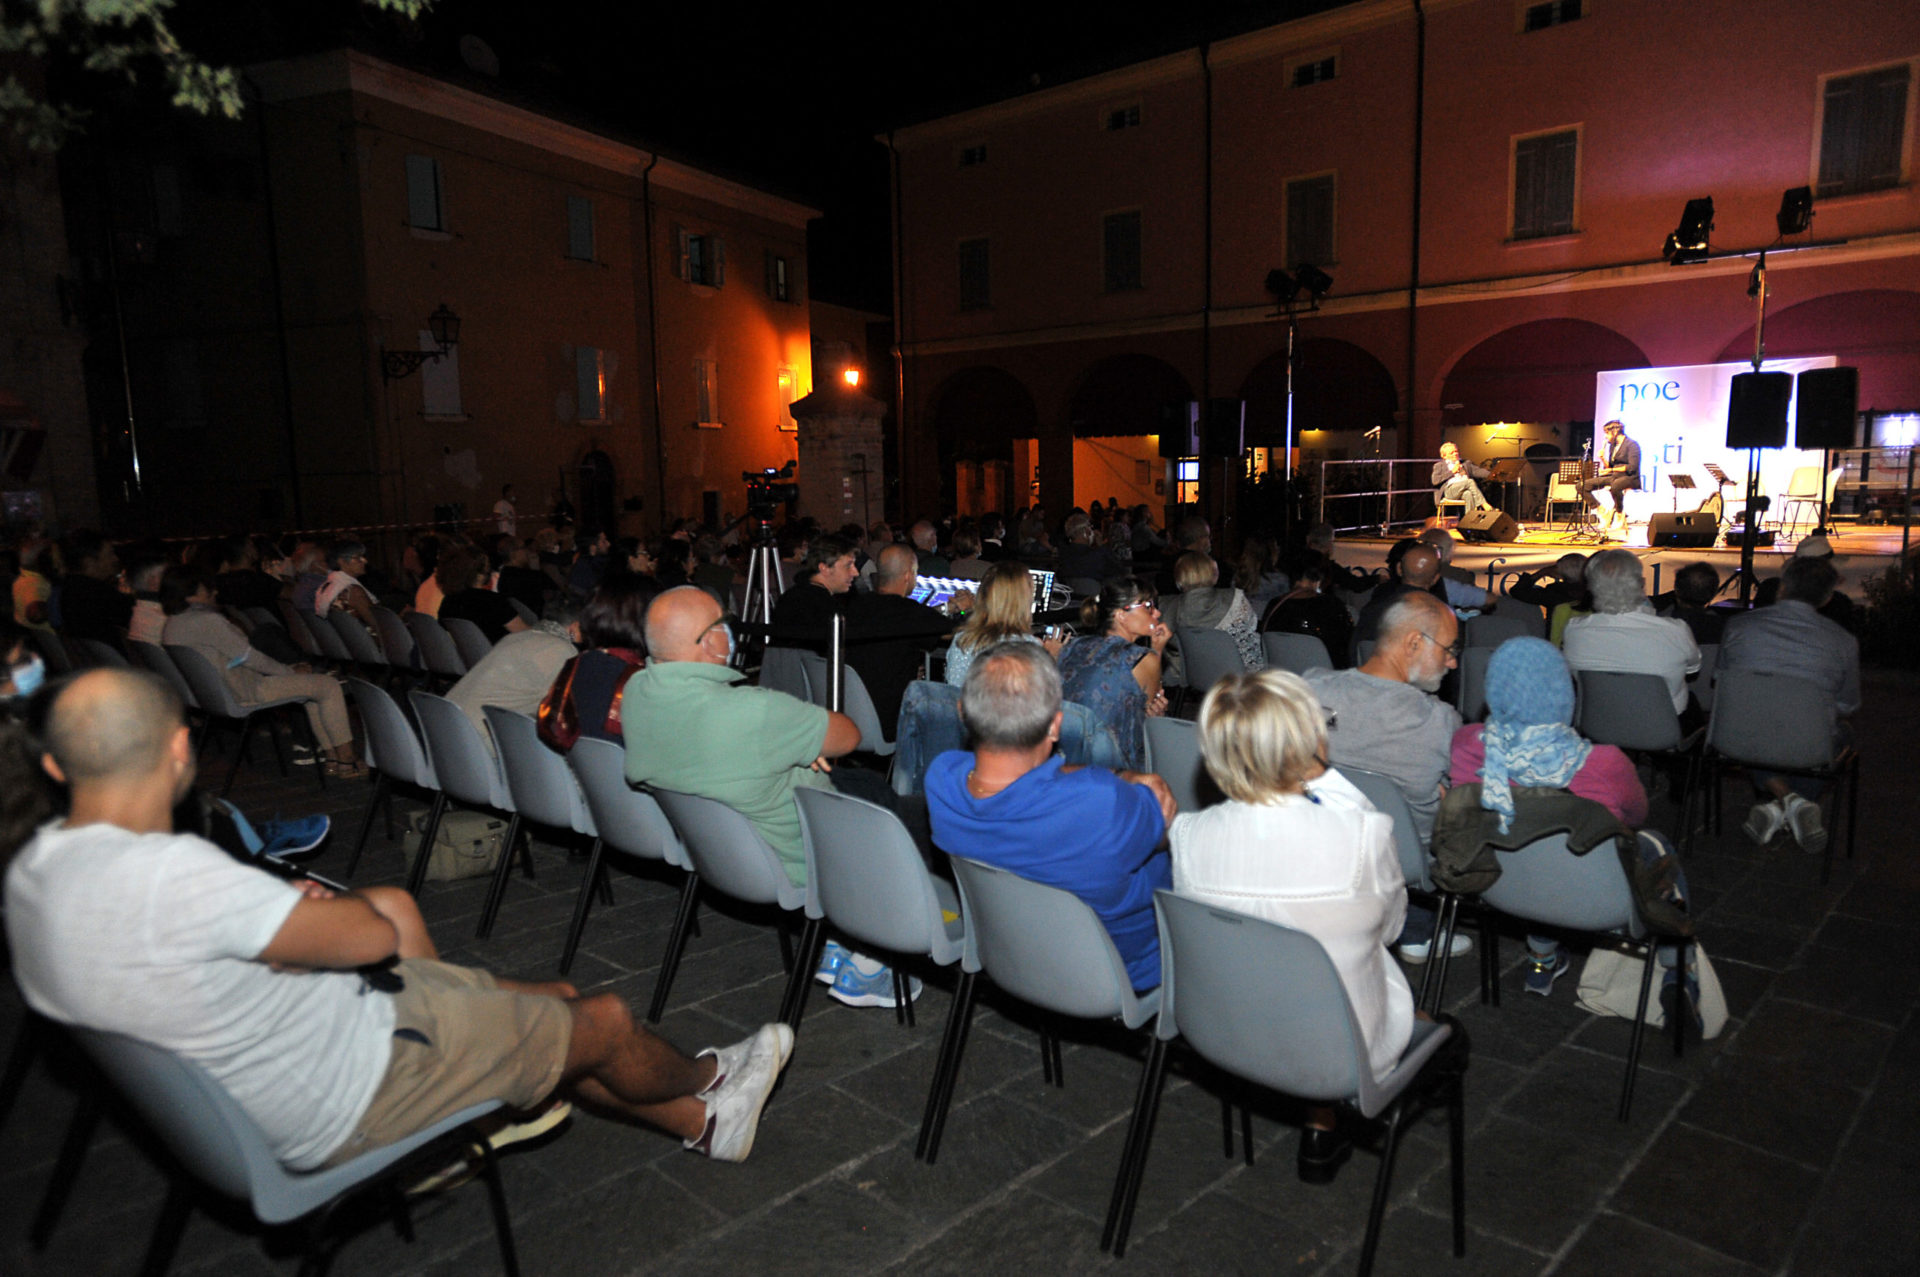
x=1316 y=281
x=1283 y=286
x=1796 y=210
x=1688 y=242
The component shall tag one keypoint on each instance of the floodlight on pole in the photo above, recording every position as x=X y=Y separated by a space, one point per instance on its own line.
x=1688 y=242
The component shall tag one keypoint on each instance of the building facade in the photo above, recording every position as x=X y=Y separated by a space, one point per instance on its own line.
x=1488 y=183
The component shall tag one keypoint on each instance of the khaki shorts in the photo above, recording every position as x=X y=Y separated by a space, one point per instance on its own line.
x=458 y=1040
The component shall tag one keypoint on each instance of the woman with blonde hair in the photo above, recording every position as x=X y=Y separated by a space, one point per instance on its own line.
x=1295 y=843
x=1003 y=614
x=1204 y=604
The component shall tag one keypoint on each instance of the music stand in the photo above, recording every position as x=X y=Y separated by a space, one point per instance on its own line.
x=1579 y=526
x=1680 y=483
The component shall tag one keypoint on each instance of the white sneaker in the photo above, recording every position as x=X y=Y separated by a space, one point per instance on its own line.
x=1764 y=822
x=1415 y=954
x=741 y=1084
x=1803 y=818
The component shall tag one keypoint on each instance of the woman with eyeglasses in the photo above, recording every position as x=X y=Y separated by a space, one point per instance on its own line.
x=1114 y=667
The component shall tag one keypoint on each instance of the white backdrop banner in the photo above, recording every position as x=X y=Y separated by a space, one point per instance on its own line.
x=1679 y=418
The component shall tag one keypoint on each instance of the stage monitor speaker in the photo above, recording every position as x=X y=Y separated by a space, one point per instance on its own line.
x=1488 y=524
x=1225 y=430
x=1695 y=528
x=1824 y=410
x=1757 y=412
x=1180 y=429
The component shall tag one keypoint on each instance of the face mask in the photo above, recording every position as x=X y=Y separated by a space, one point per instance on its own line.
x=728 y=631
x=28 y=678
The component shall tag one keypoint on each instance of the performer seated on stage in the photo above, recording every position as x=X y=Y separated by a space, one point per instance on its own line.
x=1619 y=470
x=1453 y=479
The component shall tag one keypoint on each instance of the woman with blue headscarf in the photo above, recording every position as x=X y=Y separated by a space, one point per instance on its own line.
x=1528 y=740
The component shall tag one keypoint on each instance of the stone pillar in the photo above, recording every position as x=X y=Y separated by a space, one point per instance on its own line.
x=841 y=476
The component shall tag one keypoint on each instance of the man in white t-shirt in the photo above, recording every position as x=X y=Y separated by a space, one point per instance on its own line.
x=506 y=515
x=327 y=1017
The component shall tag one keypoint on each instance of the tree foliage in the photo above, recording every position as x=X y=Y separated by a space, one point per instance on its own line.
x=125 y=39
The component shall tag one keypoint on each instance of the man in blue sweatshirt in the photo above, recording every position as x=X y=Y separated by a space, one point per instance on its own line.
x=1014 y=804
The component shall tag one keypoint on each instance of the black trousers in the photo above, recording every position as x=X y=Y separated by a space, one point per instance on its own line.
x=1618 y=483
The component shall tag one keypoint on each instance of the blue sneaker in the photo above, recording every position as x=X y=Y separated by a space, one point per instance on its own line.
x=861 y=988
x=832 y=958
x=1543 y=972
x=296 y=837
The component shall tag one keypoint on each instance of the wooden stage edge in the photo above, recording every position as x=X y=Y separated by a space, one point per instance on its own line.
x=1860 y=552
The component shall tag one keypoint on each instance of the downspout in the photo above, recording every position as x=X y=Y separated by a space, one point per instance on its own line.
x=899 y=335
x=1413 y=274
x=653 y=349
x=279 y=307
x=1221 y=502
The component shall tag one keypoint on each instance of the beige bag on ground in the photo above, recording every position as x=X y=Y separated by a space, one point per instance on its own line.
x=1610 y=985
x=467 y=844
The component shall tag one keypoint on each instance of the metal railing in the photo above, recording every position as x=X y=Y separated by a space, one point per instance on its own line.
x=1366 y=490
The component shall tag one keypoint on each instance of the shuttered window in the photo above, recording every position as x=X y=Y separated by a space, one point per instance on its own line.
x=590 y=383
x=580 y=228
x=1310 y=220
x=425 y=209
x=1863 y=131
x=1544 y=171
x=1120 y=250
x=976 y=291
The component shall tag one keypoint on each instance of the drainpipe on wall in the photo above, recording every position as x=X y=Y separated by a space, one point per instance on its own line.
x=279 y=303
x=653 y=350
x=1222 y=503
x=899 y=338
x=1413 y=272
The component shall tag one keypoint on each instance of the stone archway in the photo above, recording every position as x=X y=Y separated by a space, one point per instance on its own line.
x=978 y=414
x=1876 y=330
x=1119 y=408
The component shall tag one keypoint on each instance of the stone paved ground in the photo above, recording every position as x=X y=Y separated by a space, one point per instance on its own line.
x=1785 y=1146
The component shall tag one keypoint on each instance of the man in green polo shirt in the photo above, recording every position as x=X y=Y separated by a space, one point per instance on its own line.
x=689 y=728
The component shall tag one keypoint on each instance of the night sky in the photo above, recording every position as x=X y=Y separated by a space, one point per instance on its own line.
x=788 y=98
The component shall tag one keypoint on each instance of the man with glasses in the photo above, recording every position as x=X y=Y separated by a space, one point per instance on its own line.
x=1384 y=717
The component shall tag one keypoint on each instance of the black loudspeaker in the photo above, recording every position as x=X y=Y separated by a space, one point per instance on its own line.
x=1488 y=524
x=1225 y=430
x=1823 y=414
x=1688 y=528
x=1180 y=429
x=1757 y=413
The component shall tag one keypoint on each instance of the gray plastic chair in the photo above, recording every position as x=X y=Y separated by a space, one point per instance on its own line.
x=467 y=640
x=1296 y=652
x=858 y=703
x=1264 y=1003
x=396 y=640
x=221 y=1146
x=1495 y=628
x=929 y=726
x=1545 y=884
x=1173 y=754
x=395 y=753
x=262 y=616
x=782 y=670
x=466 y=771
x=729 y=856
x=99 y=655
x=1634 y=712
x=543 y=791
x=436 y=649
x=1046 y=947
x=524 y=612
x=1777 y=723
x=154 y=660
x=629 y=821
x=866 y=878
x=361 y=648
x=1703 y=682
x=331 y=645
x=294 y=621
x=222 y=706
x=1471 y=683
x=1206 y=657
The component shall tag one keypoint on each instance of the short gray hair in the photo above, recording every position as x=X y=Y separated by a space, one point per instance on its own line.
x=1407 y=613
x=1616 y=581
x=1011 y=694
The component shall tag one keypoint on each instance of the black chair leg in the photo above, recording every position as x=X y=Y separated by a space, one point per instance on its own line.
x=1226 y=1124
x=793 y=1003
x=26 y=1048
x=1046 y=1058
x=66 y=1168
x=1382 y=1184
x=786 y=947
x=676 y=941
x=497 y=1199
x=241 y=755
x=946 y=1069
x=1490 y=972
x=1639 y=1032
x=580 y=907
x=1457 y=1157
x=603 y=885
x=497 y=889
x=417 y=876
x=1246 y=1133
x=167 y=1232
x=380 y=791
x=1133 y=1155
x=902 y=998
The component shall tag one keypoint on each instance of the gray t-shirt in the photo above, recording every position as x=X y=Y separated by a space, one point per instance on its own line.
x=1391 y=728
x=155 y=935
x=515 y=674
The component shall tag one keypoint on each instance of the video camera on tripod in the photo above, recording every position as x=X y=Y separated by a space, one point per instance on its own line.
x=767 y=490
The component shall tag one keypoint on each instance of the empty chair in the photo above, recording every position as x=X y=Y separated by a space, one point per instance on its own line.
x=858 y=704
x=217 y=699
x=1805 y=492
x=98 y=654
x=154 y=659
x=782 y=669
x=1495 y=628
x=1173 y=754
x=360 y=645
x=1044 y=946
x=332 y=646
x=395 y=754
x=1206 y=657
x=543 y=791
x=628 y=820
x=1264 y=1003
x=293 y=620
x=929 y=726
x=1777 y=723
x=435 y=647
x=396 y=640
x=1296 y=652
x=467 y=640
x=219 y=1145
x=1470 y=695
x=466 y=771
x=729 y=856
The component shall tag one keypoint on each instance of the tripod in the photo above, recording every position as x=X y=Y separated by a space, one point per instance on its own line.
x=764 y=585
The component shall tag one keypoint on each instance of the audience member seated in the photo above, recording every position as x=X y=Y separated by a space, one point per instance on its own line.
x=425 y=561
x=1145 y=536
x=1528 y=741
x=193 y=620
x=1692 y=602
x=33 y=588
x=1566 y=584
x=1191 y=535
x=309 y=574
x=888 y=634
x=1624 y=636
x=1419 y=573
x=1453 y=480
x=1013 y=803
x=711 y=571
x=94 y=604
x=241 y=583
x=1204 y=604
x=1793 y=639
x=1257 y=574
x=688 y=728
x=514 y=674
x=585 y=697
x=1082 y=557
x=1003 y=613
x=342 y=591
x=589 y=564
x=521 y=580
x=1462 y=594
x=148 y=620
x=926 y=547
x=993 y=537
x=1318 y=552
x=1384 y=717
x=967 y=560
x=1296 y=844
x=803 y=615
x=464 y=595
x=312 y=1009
x=1113 y=668
x=1839 y=609
x=1309 y=608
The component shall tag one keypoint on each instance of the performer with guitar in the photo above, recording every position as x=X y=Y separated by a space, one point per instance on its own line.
x=1453 y=479
x=1619 y=470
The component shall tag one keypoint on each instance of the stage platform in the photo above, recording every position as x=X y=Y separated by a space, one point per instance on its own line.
x=1860 y=551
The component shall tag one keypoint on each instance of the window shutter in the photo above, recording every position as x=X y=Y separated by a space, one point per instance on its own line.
x=1882 y=126
x=439 y=379
x=1526 y=190
x=423 y=193
x=580 y=228
x=682 y=249
x=717 y=274
x=773 y=285
x=1557 y=188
